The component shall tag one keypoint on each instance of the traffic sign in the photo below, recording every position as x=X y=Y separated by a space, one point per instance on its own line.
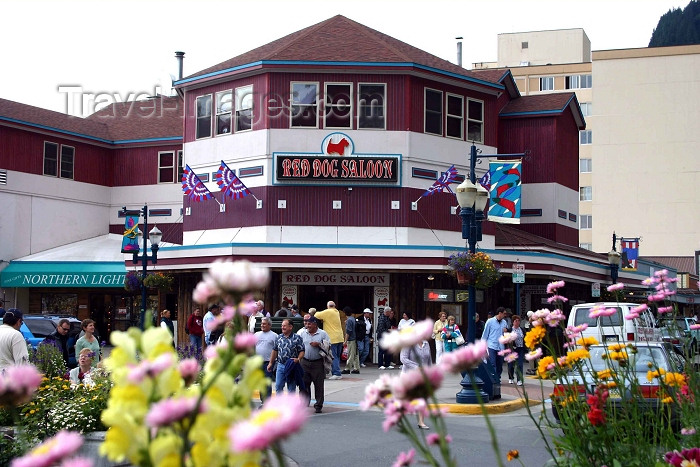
x=595 y=289
x=519 y=268
x=518 y=278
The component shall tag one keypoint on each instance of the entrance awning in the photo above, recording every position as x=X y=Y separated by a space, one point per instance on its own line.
x=63 y=274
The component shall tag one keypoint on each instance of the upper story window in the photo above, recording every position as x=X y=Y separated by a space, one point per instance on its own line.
x=455 y=116
x=223 y=112
x=55 y=166
x=338 y=105
x=203 y=128
x=169 y=167
x=304 y=105
x=585 y=193
x=579 y=81
x=585 y=137
x=586 y=108
x=244 y=108
x=585 y=165
x=475 y=121
x=547 y=83
x=586 y=221
x=433 y=112
x=371 y=106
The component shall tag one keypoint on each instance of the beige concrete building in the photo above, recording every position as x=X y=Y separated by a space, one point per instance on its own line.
x=639 y=165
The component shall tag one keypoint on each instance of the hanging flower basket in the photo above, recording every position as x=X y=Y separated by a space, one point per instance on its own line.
x=475 y=269
x=133 y=281
x=158 y=280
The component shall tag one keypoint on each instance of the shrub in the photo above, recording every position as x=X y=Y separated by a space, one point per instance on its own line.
x=48 y=359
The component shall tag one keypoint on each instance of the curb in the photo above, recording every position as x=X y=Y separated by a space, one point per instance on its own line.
x=491 y=409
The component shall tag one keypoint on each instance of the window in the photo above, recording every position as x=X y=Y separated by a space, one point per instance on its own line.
x=579 y=82
x=585 y=165
x=586 y=137
x=433 y=112
x=169 y=168
x=338 y=106
x=371 y=108
x=455 y=116
x=524 y=45
x=244 y=108
x=585 y=193
x=304 y=105
x=50 y=159
x=586 y=246
x=586 y=221
x=475 y=121
x=203 y=129
x=547 y=83
x=67 y=157
x=223 y=113
x=586 y=108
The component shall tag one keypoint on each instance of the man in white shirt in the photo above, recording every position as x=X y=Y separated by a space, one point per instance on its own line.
x=211 y=315
x=13 y=347
x=259 y=313
x=264 y=343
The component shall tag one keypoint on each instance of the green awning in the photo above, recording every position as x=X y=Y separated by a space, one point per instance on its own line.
x=63 y=274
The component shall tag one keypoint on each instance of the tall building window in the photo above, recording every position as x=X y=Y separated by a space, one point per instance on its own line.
x=304 y=105
x=455 y=116
x=475 y=121
x=586 y=108
x=433 y=112
x=586 y=137
x=180 y=167
x=67 y=158
x=586 y=246
x=223 y=112
x=585 y=193
x=586 y=221
x=244 y=108
x=371 y=108
x=585 y=165
x=579 y=81
x=166 y=167
x=50 y=159
x=338 y=105
x=547 y=83
x=203 y=129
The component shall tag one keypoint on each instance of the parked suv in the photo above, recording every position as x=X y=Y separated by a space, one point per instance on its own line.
x=679 y=327
x=36 y=328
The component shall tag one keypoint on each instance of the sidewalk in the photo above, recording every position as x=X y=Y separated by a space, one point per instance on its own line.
x=350 y=390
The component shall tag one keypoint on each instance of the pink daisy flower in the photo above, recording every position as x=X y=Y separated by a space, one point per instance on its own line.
x=511 y=357
x=616 y=287
x=554 y=286
x=169 y=411
x=534 y=355
x=557 y=298
x=665 y=309
x=58 y=447
x=18 y=384
x=404 y=458
x=418 y=383
x=409 y=336
x=77 y=462
x=189 y=369
x=600 y=310
x=507 y=338
x=281 y=416
x=244 y=341
x=465 y=358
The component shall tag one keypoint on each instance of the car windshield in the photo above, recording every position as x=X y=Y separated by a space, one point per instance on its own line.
x=680 y=323
x=582 y=317
x=642 y=361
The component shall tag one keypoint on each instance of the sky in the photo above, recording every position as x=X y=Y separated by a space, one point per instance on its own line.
x=55 y=49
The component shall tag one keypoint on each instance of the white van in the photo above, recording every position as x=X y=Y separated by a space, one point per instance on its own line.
x=615 y=328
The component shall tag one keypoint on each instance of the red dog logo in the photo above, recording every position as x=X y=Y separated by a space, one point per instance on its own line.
x=382 y=302
x=337 y=148
x=288 y=300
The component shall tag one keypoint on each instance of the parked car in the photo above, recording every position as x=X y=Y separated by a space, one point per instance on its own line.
x=643 y=393
x=36 y=328
x=615 y=328
x=678 y=328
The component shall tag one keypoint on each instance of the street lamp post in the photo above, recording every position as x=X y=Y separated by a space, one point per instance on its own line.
x=155 y=235
x=614 y=258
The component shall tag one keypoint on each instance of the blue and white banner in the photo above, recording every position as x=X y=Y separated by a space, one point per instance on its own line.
x=504 y=192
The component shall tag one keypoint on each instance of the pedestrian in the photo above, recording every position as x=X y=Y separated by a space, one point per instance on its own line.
x=264 y=343
x=288 y=348
x=167 y=323
x=437 y=335
x=294 y=310
x=352 y=365
x=384 y=326
x=364 y=344
x=195 y=328
x=478 y=326
x=406 y=321
x=89 y=341
x=314 y=340
x=493 y=329
x=518 y=346
x=82 y=373
x=13 y=348
x=333 y=327
x=411 y=359
x=59 y=338
x=284 y=311
x=450 y=333
x=258 y=313
x=207 y=323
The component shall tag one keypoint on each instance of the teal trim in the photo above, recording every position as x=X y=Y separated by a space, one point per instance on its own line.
x=333 y=63
x=63 y=274
x=532 y=112
x=94 y=138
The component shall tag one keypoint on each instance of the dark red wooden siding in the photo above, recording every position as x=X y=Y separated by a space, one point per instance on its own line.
x=537 y=135
x=567 y=156
x=139 y=165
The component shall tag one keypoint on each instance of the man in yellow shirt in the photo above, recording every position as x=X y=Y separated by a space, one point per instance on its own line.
x=333 y=327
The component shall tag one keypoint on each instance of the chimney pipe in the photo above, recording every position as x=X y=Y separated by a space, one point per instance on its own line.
x=459 y=50
x=180 y=56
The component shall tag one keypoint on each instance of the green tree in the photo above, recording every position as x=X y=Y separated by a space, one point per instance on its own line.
x=678 y=27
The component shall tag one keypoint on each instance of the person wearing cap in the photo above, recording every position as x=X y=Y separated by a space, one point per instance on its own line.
x=211 y=315
x=363 y=345
x=315 y=342
x=13 y=347
x=294 y=310
x=333 y=327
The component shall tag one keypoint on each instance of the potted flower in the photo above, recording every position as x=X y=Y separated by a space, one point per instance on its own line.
x=158 y=280
x=133 y=281
x=477 y=269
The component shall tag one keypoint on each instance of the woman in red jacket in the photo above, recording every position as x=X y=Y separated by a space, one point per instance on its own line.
x=195 y=328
